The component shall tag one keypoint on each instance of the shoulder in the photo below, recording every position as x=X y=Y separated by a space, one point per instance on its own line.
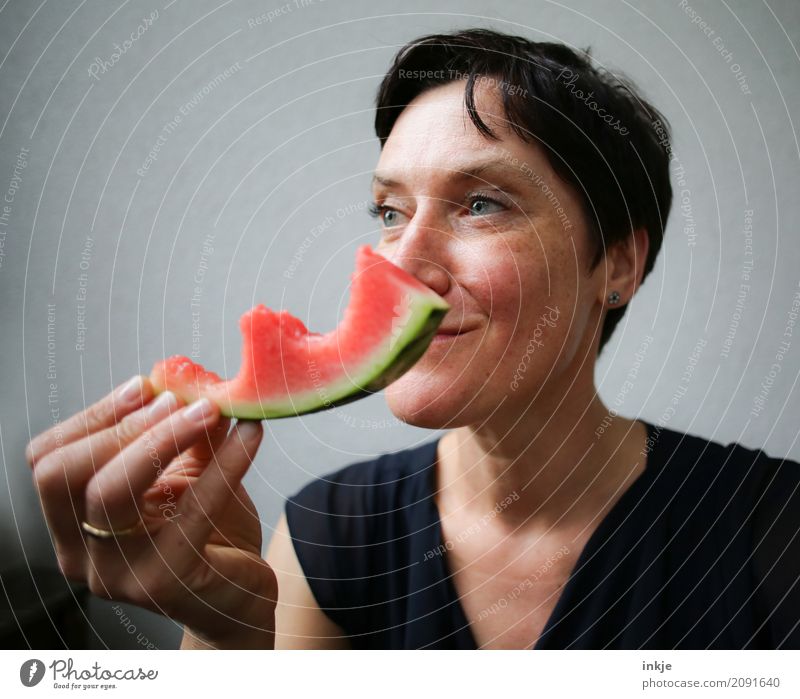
x=721 y=463
x=776 y=550
x=724 y=482
x=759 y=494
x=344 y=526
x=372 y=486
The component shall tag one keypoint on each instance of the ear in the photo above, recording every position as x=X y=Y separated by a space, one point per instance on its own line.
x=624 y=263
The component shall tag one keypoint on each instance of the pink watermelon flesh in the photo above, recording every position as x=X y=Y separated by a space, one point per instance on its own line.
x=287 y=370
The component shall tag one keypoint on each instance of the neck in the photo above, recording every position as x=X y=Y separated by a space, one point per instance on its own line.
x=559 y=462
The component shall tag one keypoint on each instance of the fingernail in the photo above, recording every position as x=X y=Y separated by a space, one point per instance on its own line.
x=161 y=406
x=132 y=389
x=200 y=410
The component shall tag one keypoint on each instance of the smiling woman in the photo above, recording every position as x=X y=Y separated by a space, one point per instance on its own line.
x=529 y=189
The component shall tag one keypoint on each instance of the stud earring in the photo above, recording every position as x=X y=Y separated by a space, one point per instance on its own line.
x=613 y=298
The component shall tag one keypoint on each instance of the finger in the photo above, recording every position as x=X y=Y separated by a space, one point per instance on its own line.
x=62 y=476
x=187 y=467
x=207 y=498
x=106 y=412
x=202 y=452
x=114 y=494
x=191 y=463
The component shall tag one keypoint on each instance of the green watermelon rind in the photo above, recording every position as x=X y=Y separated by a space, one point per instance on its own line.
x=386 y=366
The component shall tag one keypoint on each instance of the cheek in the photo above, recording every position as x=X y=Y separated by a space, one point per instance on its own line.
x=536 y=323
x=528 y=314
x=524 y=281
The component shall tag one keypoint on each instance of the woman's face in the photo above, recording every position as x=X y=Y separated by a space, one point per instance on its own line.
x=491 y=228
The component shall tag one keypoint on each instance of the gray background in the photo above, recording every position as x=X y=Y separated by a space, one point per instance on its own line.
x=267 y=155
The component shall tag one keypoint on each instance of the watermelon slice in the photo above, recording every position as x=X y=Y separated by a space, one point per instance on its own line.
x=287 y=370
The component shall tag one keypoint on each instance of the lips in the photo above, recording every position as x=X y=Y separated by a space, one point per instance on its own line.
x=447 y=334
x=453 y=331
x=457 y=324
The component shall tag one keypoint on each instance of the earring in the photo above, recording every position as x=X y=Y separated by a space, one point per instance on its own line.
x=613 y=298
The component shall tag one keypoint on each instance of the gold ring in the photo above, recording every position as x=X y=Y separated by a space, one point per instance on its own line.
x=105 y=534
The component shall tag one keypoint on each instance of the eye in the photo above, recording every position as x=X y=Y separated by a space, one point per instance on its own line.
x=388 y=217
x=482 y=205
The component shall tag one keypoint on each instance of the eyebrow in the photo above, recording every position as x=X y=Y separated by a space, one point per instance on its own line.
x=478 y=170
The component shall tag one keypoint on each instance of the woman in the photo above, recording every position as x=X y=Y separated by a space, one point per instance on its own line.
x=531 y=191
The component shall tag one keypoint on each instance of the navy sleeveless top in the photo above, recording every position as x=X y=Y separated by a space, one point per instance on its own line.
x=701 y=551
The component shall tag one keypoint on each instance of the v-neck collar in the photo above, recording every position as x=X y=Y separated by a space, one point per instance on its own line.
x=461 y=623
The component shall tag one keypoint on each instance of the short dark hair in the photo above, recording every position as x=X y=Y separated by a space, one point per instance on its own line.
x=600 y=136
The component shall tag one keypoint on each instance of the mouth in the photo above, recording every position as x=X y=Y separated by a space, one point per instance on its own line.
x=447 y=335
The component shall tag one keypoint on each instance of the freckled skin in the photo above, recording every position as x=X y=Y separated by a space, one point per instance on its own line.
x=499 y=271
x=502 y=267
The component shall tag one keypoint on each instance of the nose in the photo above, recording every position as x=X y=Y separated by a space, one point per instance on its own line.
x=422 y=250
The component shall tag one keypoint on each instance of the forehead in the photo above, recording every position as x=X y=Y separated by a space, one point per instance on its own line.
x=479 y=167
x=435 y=134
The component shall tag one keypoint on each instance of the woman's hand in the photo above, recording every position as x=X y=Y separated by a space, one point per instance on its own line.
x=130 y=459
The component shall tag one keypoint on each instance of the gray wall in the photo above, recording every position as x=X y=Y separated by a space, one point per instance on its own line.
x=265 y=155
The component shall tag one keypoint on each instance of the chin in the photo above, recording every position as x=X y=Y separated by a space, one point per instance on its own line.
x=431 y=402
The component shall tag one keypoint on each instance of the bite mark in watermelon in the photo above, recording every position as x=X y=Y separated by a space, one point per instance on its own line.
x=287 y=370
